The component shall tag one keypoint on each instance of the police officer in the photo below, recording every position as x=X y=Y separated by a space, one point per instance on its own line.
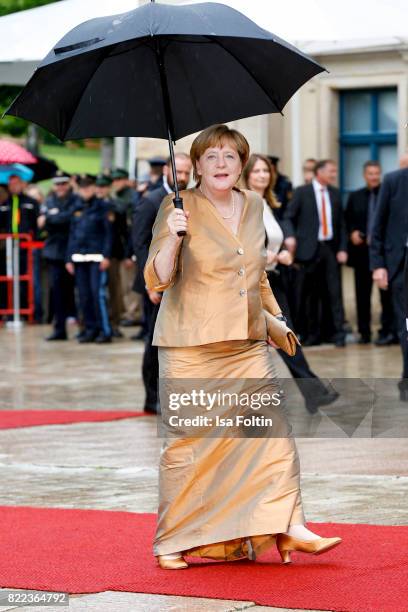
x=122 y=189
x=88 y=254
x=127 y=198
x=55 y=218
x=157 y=165
x=120 y=245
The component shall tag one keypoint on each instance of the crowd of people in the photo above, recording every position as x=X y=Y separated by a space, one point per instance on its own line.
x=97 y=231
x=85 y=222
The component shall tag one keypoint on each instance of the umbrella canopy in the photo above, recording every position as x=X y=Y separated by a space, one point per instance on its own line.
x=43 y=169
x=161 y=71
x=12 y=153
x=25 y=173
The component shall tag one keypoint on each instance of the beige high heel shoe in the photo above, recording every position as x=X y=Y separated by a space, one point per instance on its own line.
x=178 y=563
x=287 y=544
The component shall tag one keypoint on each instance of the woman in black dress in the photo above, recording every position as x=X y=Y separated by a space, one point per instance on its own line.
x=259 y=176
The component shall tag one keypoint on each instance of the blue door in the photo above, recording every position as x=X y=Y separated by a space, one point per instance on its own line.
x=368 y=131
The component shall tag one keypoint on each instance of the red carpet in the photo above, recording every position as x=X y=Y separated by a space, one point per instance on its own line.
x=74 y=551
x=27 y=418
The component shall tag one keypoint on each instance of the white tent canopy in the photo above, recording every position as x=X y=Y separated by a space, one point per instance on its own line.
x=29 y=35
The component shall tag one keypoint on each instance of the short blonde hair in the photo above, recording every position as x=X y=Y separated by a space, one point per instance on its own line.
x=214 y=136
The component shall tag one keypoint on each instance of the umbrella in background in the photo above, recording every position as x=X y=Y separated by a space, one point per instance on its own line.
x=43 y=169
x=12 y=153
x=25 y=173
x=162 y=71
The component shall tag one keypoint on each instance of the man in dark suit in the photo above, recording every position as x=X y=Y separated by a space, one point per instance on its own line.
x=315 y=232
x=388 y=250
x=144 y=216
x=359 y=214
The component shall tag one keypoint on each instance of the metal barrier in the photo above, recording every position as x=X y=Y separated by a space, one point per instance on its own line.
x=12 y=278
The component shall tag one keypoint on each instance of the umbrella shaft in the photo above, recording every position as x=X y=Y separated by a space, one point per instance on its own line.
x=167 y=113
x=173 y=164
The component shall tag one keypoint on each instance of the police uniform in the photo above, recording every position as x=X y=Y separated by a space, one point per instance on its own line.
x=57 y=212
x=126 y=195
x=120 y=250
x=156 y=162
x=126 y=201
x=90 y=242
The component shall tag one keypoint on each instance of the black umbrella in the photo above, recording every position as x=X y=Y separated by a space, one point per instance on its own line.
x=44 y=169
x=161 y=71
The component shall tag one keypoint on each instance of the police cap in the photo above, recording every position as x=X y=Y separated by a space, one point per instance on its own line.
x=157 y=161
x=85 y=180
x=119 y=173
x=103 y=180
x=61 y=177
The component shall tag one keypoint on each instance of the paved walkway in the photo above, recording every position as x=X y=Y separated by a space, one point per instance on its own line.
x=113 y=465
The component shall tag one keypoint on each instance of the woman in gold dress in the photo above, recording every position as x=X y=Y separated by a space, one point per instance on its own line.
x=220 y=497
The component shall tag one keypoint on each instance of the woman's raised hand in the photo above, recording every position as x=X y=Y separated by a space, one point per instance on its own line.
x=177 y=221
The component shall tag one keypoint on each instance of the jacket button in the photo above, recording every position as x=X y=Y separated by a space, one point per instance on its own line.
x=241 y=271
x=242 y=292
x=240 y=251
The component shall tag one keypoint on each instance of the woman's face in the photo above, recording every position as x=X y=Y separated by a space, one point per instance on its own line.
x=259 y=176
x=219 y=167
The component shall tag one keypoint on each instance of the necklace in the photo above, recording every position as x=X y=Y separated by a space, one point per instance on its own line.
x=233 y=204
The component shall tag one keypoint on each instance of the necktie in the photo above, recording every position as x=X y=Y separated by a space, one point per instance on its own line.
x=15 y=215
x=325 y=229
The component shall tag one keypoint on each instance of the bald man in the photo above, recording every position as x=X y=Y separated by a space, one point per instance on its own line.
x=403 y=162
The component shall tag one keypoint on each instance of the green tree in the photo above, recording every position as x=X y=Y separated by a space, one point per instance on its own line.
x=10 y=125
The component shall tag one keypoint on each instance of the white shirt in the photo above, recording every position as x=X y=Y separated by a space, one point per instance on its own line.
x=318 y=195
x=273 y=232
x=166 y=185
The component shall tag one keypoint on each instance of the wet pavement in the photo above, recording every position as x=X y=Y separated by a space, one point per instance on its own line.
x=347 y=475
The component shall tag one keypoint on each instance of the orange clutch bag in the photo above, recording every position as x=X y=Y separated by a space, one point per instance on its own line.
x=280 y=333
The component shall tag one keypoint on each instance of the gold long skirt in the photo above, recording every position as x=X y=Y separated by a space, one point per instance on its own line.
x=216 y=492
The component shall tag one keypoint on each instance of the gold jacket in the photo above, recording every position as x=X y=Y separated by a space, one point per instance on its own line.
x=218 y=286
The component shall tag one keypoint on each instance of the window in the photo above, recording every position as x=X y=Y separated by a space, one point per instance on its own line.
x=368 y=130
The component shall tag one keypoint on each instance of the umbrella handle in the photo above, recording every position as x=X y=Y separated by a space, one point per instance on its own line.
x=178 y=203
